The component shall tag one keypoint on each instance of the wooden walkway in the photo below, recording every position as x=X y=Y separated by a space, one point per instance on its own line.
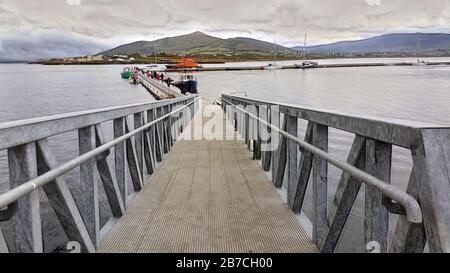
x=208 y=196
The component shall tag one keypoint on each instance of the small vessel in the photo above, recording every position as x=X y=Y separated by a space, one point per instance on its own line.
x=127 y=72
x=185 y=64
x=305 y=63
x=134 y=78
x=187 y=84
x=154 y=67
x=419 y=62
x=274 y=65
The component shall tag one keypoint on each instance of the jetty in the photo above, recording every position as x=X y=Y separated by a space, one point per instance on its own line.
x=182 y=175
x=157 y=88
x=320 y=66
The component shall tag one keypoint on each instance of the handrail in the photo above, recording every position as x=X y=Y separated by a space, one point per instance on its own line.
x=16 y=133
x=413 y=211
x=403 y=133
x=35 y=183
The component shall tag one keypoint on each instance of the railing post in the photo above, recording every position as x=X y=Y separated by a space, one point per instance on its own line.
x=119 y=157
x=409 y=237
x=257 y=130
x=281 y=157
x=109 y=181
x=345 y=196
x=159 y=136
x=138 y=141
x=247 y=128
x=292 y=129
x=89 y=206
x=165 y=135
x=431 y=158
x=378 y=164
x=27 y=220
x=133 y=163
x=304 y=172
x=320 y=183
x=62 y=201
x=265 y=131
x=275 y=143
x=151 y=149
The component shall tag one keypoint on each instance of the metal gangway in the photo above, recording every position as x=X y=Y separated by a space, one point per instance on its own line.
x=186 y=176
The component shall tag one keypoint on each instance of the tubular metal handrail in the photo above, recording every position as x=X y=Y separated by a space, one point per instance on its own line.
x=40 y=181
x=413 y=210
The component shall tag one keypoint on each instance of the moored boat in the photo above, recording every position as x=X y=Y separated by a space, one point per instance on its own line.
x=274 y=65
x=187 y=84
x=185 y=64
x=305 y=63
x=126 y=72
x=419 y=62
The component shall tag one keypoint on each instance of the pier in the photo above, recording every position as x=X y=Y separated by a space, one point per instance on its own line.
x=320 y=66
x=157 y=89
x=181 y=175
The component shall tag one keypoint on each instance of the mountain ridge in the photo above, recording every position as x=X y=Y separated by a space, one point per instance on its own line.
x=198 y=43
x=394 y=42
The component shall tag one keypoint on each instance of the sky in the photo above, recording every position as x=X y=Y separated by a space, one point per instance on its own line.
x=31 y=29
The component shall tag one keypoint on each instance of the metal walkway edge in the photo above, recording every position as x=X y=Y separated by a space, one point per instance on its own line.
x=208 y=196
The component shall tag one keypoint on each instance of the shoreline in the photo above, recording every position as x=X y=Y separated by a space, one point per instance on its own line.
x=200 y=61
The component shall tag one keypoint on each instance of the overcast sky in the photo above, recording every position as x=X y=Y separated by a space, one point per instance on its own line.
x=56 y=28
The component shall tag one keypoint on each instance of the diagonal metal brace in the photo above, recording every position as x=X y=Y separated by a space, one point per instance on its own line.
x=8 y=213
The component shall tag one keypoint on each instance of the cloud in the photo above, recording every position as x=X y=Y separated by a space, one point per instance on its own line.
x=46 y=44
x=374 y=2
x=109 y=23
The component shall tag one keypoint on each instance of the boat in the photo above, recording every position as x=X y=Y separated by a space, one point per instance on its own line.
x=134 y=79
x=305 y=63
x=419 y=62
x=187 y=84
x=274 y=65
x=154 y=67
x=127 y=72
x=185 y=64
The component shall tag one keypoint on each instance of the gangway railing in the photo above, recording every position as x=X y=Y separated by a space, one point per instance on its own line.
x=423 y=209
x=137 y=147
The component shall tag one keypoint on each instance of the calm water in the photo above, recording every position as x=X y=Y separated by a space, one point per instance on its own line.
x=413 y=93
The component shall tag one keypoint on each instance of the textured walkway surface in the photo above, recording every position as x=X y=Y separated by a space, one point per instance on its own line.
x=208 y=196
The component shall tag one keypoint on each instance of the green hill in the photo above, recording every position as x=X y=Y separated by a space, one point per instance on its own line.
x=198 y=43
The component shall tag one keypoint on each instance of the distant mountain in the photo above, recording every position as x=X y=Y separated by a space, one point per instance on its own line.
x=199 y=43
x=398 y=43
